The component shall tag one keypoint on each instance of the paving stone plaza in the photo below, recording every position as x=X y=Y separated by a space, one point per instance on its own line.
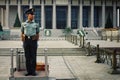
x=83 y=67
x=79 y=39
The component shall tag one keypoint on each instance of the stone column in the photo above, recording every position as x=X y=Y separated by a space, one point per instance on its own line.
x=54 y=15
x=103 y=14
x=92 y=14
x=69 y=14
x=118 y=17
x=7 y=15
x=114 y=14
x=80 y=15
x=30 y=5
x=2 y=16
x=42 y=15
x=19 y=10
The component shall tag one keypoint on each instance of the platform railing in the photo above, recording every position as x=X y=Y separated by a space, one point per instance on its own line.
x=90 y=49
x=20 y=66
x=12 y=64
x=75 y=39
x=109 y=56
x=46 y=62
x=111 y=34
x=82 y=41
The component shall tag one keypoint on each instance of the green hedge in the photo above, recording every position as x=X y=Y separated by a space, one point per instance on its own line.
x=47 y=33
x=5 y=35
x=81 y=33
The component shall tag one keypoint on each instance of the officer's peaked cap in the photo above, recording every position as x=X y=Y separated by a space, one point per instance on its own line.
x=30 y=11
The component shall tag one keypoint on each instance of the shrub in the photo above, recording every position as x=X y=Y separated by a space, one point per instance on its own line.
x=109 y=23
x=1 y=27
x=67 y=31
x=17 y=21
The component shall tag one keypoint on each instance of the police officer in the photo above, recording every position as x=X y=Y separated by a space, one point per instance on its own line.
x=30 y=36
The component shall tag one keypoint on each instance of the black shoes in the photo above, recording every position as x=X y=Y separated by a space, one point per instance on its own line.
x=33 y=74
x=28 y=74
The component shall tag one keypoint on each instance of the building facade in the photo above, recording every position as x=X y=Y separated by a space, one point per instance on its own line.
x=59 y=14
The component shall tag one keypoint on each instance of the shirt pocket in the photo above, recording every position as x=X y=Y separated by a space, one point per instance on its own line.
x=25 y=25
x=35 y=25
x=34 y=28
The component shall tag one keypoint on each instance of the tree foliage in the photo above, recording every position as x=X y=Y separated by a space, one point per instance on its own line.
x=17 y=21
x=109 y=23
x=1 y=27
x=67 y=31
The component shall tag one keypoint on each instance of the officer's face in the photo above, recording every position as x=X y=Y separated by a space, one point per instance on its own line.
x=30 y=16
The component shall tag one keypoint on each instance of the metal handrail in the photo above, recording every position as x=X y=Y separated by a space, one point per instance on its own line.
x=12 y=63
x=111 y=54
x=46 y=62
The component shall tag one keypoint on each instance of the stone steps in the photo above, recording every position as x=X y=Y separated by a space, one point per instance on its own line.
x=32 y=78
x=50 y=51
x=41 y=39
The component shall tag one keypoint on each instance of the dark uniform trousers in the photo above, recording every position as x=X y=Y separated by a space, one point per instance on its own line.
x=30 y=48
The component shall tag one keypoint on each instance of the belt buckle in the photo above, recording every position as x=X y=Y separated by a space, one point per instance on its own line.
x=28 y=37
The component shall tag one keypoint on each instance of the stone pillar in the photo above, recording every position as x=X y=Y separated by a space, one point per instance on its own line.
x=114 y=14
x=30 y=5
x=118 y=17
x=2 y=17
x=19 y=10
x=69 y=14
x=103 y=14
x=7 y=15
x=54 y=15
x=42 y=15
x=80 y=15
x=98 y=54
x=92 y=14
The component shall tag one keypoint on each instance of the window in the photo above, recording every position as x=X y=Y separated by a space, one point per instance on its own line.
x=96 y=16
x=74 y=17
x=85 y=16
x=61 y=16
x=48 y=17
x=37 y=14
x=24 y=9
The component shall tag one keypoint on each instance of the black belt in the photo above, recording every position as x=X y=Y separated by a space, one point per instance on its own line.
x=29 y=37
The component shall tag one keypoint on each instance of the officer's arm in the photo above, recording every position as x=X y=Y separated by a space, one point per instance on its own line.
x=22 y=36
x=37 y=36
x=37 y=32
x=22 y=33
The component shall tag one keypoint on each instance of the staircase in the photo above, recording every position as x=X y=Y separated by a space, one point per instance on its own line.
x=91 y=35
x=50 y=52
x=32 y=78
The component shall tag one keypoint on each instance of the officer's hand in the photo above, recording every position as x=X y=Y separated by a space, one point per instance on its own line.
x=23 y=37
x=37 y=36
